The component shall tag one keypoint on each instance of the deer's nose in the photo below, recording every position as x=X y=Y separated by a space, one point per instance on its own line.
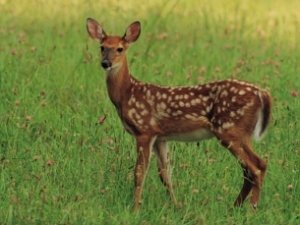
x=106 y=64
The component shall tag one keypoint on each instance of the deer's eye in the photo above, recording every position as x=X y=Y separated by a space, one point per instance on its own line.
x=102 y=48
x=119 y=50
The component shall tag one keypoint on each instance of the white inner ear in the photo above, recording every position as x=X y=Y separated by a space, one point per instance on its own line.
x=128 y=34
x=100 y=32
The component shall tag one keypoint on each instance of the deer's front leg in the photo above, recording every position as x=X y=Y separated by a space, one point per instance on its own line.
x=144 y=148
x=163 y=163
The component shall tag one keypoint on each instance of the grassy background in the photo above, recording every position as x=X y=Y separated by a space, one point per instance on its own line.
x=59 y=165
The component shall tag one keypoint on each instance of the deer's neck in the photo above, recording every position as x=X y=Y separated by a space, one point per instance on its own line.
x=118 y=83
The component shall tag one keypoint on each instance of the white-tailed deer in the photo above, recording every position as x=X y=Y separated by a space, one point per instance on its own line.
x=230 y=110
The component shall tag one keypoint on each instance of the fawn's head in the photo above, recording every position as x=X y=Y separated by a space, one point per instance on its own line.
x=113 y=48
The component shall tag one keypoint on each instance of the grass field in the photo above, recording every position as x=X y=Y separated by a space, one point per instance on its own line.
x=61 y=164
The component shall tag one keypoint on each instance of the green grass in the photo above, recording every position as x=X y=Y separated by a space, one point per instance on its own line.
x=58 y=165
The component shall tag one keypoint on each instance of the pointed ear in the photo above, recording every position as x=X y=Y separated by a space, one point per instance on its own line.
x=95 y=30
x=133 y=32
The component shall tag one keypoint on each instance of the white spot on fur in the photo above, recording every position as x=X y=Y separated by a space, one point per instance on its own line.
x=242 y=92
x=208 y=108
x=179 y=112
x=233 y=89
x=193 y=102
x=131 y=112
x=232 y=114
x=224 y=93
x=227 y=125
x=162 y=105
x=198 y=101
x=240 y=112
x=158 y=95
x=205 y=98
x=137 y=116
x=144 y=112
x=148 y=93
x=152 y=122
x=188 y=116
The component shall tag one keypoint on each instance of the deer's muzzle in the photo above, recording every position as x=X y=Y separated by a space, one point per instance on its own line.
x=106 y=64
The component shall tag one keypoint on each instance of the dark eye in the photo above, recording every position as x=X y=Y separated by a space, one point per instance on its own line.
x=102 y=48
x=119 y=50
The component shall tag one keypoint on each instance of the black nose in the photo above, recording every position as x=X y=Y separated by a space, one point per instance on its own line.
x=106 y=64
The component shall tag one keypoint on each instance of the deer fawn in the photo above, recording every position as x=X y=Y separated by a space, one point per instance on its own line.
x=230 y=110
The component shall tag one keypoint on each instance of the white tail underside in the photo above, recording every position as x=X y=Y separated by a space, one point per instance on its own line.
x=258 y=127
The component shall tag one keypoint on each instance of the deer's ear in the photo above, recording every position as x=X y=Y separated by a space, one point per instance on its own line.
x=95 y=30
x=133 y=32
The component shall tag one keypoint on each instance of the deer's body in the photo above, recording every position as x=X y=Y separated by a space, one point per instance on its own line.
x=190 y=113
x=230 y=110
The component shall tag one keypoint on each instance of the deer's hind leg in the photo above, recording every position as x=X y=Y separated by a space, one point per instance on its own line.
x=247 y=186
x=259 y=173
x=252 y=165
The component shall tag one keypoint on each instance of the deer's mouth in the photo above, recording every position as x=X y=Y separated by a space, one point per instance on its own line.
x=107 y=68
x=111 y=67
